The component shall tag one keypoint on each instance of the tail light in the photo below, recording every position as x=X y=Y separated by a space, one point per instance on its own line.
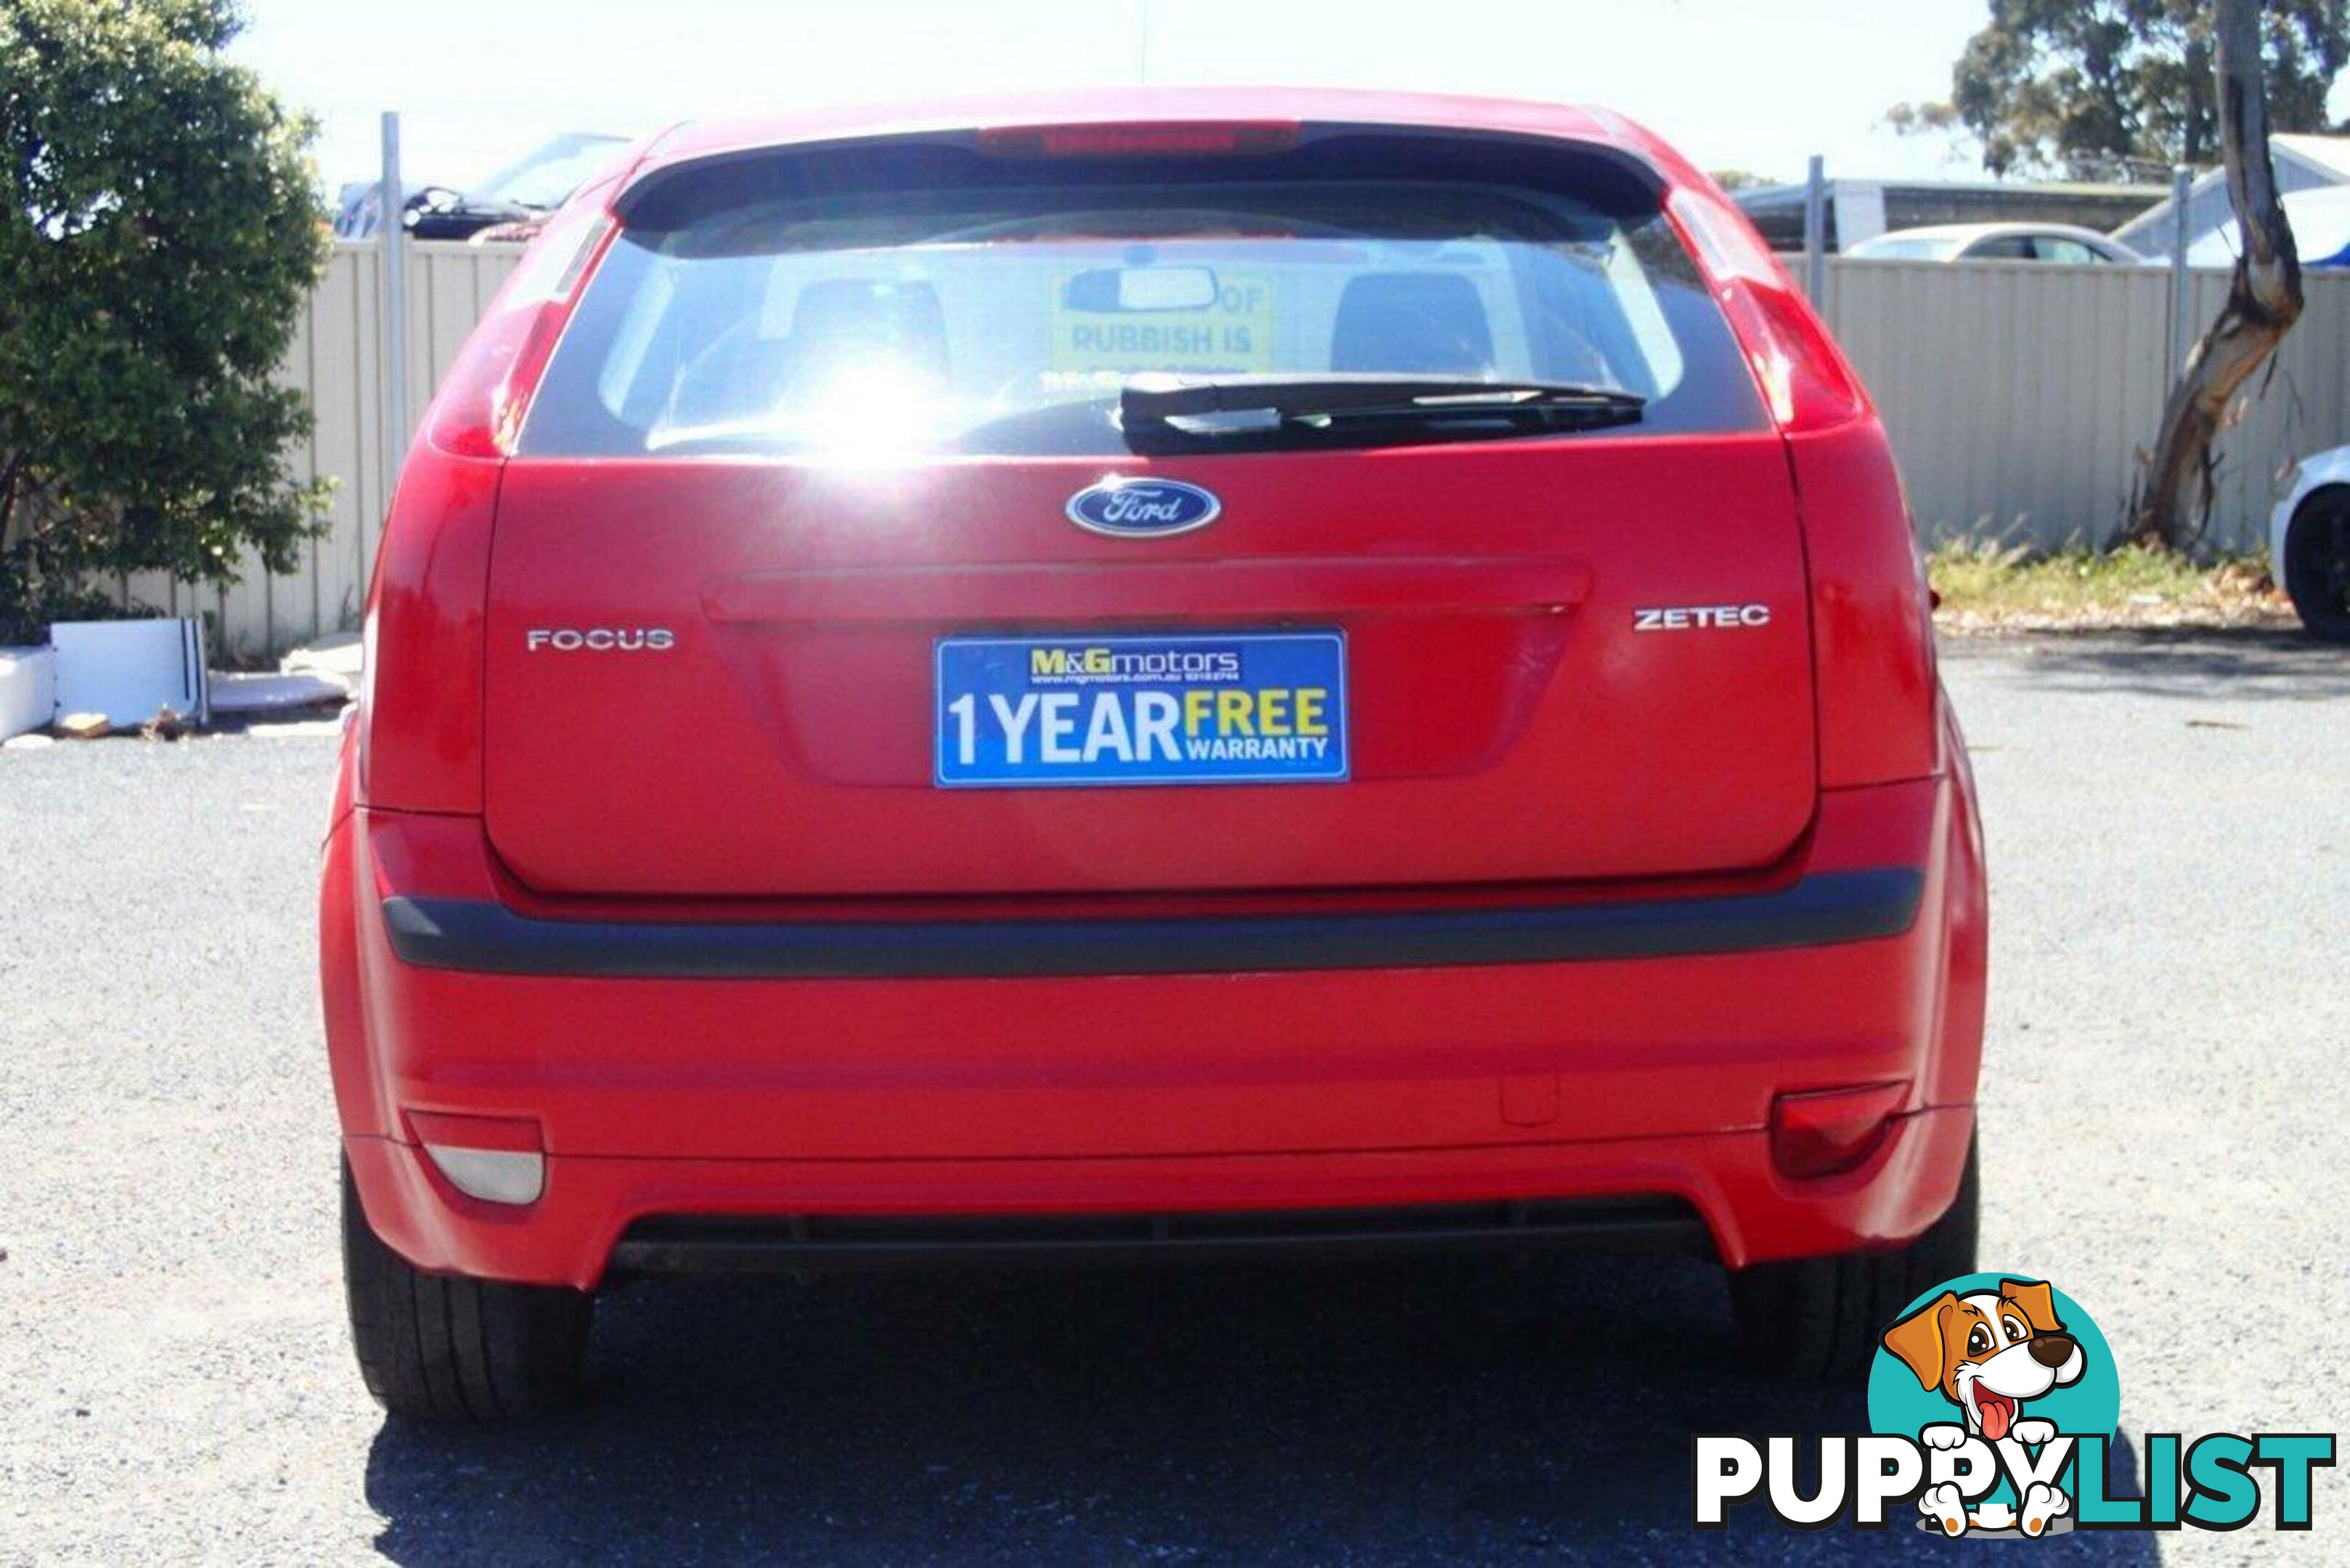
x=419 y=749
x=1872 y=623
x=480 y=409
x=1802 y=374
x=420 y=714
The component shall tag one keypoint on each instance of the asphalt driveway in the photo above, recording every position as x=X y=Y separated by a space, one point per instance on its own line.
x=2165 y=1129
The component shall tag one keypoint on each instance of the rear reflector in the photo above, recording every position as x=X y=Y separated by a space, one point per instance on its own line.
x=1217 y=139
x=1822 y=1133
x=497 y=1159
x=492 y=1177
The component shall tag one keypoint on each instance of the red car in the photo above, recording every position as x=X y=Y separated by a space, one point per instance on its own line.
x=1168 y=674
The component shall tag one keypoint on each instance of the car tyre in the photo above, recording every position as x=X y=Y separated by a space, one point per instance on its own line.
x=1816 y=1320
x=2318 y=563
x=444 y=1348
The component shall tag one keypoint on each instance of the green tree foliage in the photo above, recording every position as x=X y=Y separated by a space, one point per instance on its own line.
x=2108 y=89
x=159 y=235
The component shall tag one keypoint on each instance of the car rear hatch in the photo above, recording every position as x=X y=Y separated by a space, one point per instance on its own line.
x=824 y=451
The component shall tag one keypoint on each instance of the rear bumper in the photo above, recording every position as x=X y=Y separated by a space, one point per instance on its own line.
x=1373 y=1060
x=1741 y=1210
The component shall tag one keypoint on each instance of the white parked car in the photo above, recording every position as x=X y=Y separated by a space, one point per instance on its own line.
x=2309 y=542
x=2060 y=243
x=2320 y=221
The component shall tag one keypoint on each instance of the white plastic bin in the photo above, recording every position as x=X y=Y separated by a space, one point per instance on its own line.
x=130 y=670
x=28 y=689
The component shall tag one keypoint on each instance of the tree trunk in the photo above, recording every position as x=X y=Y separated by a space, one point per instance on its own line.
x=2264 y=299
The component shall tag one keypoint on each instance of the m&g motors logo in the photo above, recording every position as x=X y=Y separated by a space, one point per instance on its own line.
x=1083 y=666
x=1995 y=1401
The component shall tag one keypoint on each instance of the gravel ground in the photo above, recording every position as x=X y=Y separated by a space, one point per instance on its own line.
x=2163 y=1126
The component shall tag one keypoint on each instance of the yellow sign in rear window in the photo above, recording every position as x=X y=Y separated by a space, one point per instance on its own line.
x=1231 y=337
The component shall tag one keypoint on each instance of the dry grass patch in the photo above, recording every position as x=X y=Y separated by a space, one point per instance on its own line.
x=1991 y=589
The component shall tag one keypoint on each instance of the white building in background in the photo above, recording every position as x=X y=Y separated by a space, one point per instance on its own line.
x=2303 y=163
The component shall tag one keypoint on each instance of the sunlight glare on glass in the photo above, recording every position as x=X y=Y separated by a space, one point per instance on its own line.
x=875 y=412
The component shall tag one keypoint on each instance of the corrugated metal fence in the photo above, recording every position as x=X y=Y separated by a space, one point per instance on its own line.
x=2018 y=396
x=337 y=358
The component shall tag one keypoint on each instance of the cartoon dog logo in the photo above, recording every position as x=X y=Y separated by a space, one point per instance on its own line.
x=1987 y=1353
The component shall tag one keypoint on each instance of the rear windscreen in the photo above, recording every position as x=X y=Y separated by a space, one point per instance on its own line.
x=953 y=302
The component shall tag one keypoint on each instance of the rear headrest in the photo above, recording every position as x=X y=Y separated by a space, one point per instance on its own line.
x=842 y=318
x=1416 y=323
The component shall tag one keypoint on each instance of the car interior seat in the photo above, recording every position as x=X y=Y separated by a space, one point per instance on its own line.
x=837 y=326
x=1412 y=323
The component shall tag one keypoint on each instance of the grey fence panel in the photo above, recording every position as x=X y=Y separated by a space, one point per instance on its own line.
x=449 y=286
x=346 y=398
x=2299 y=404
x=2017 y=397
x=2021 y=397
x=337 y=358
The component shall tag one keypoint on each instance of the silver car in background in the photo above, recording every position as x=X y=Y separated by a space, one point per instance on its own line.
x=2060 y=243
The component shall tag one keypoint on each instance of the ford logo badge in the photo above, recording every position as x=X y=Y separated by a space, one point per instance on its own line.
x=1142 y=508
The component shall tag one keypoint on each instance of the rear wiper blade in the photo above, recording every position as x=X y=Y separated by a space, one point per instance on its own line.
x=1301 y=409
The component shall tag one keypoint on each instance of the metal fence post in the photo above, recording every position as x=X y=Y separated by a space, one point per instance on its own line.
x=2183 y=294
x=1815 y=233
x=391 y=201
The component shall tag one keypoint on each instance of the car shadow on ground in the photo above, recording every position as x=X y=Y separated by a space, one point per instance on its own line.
x=1374 y=1412
x=2256 y=663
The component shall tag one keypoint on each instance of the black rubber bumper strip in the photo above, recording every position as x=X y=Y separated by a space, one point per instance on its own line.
x=488 y=938
x=735 y=1244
